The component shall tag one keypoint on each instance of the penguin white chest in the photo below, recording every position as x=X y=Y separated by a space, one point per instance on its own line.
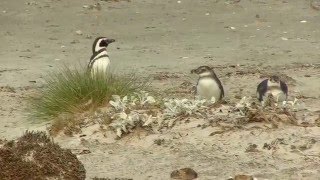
x=277 y=93
x=101 y=65
x=208 y=88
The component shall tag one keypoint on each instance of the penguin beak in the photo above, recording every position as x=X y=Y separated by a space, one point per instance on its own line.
x=110 y=41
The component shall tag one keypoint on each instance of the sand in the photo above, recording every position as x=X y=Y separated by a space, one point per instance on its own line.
x=244 y=41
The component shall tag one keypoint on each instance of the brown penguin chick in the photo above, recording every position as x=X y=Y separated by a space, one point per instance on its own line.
x=208 y=84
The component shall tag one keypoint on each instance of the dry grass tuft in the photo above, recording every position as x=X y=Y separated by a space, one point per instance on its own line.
x=71 y=91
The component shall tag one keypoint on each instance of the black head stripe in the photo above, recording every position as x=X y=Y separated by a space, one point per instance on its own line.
x=95 y=43
x=103 y=43
x=96 y=54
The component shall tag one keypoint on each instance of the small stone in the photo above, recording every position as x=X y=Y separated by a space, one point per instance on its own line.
x=216 y=132
x=233 y=28
x=252 y=148
x=79 y=32
x=178 y=2
x=303 y=21
x=88 y=37
x=315 y=4
x=53 y=38
x=243 y=177
x=284 y=38
x=184 y=173
x=203 y=126
x=267 y=146
x=75 y=41
x=158 y=141
x=85 y=151
x=207 y=14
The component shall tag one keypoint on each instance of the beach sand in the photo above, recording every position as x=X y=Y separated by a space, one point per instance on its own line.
x=244 y=41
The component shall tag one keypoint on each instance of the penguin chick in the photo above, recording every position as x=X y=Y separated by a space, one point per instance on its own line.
x=208 y=84
x=99 y=60
x=274 y=86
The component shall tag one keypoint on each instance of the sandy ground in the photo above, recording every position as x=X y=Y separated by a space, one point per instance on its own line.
x=243 y=41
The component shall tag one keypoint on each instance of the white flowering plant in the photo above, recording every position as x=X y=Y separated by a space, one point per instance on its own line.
x=176 y=107
x=131 y=111
x=126 y=117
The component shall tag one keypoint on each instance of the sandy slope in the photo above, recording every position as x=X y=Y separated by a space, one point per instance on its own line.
x=165 y=36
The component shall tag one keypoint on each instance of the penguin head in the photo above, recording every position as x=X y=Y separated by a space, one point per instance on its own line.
x=101 y=43
x=203 y=71
x=274 y=79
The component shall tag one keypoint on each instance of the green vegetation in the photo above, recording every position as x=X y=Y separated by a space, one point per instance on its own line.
x=76 y=90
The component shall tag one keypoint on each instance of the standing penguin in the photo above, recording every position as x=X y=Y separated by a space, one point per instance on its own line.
x=274 y=86
x=208 y=84
x=99 y=60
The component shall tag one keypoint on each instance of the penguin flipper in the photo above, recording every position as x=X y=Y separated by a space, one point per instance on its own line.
x=215 y=77
x=262 y=89
x=284 y=87
x=221 y=88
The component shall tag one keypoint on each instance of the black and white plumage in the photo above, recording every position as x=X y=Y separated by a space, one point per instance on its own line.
x=101 y=43
x=208 y=84
x=99 y=60
x=274 y=86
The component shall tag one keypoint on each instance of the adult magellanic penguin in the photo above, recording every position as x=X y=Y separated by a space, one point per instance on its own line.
x=99 y=60
x=274 y=86
x=208 y=84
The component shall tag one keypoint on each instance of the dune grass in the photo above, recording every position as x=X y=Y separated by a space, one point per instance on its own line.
x=74 y=90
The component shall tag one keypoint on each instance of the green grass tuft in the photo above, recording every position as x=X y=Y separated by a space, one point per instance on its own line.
x=75 y=90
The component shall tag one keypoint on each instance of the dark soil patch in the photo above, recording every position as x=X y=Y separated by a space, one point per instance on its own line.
x=35 y=156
